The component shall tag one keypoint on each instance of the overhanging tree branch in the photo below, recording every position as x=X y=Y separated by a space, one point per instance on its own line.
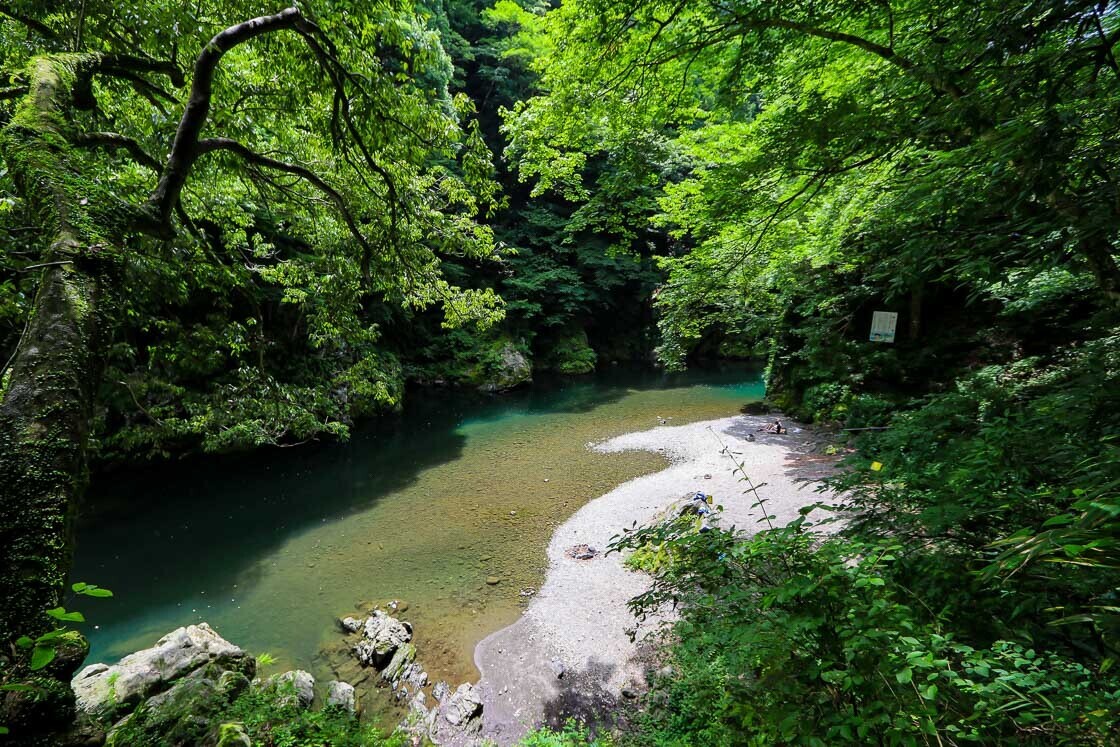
x=936 y=82
x=34 y=24
x=210 y=145
x=114 y=141
x=185 y=147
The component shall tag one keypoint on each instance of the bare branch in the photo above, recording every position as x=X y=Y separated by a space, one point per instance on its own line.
x=123 y=63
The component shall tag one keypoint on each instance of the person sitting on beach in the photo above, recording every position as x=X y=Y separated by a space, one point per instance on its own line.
x=775 y=427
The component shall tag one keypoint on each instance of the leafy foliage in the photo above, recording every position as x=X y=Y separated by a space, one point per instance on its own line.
x=793 y=638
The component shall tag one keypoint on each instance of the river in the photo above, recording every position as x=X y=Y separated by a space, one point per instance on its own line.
x=270 y=547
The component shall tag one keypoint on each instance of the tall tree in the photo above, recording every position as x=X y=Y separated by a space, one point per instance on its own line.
x=946 y=140
x=333 y=133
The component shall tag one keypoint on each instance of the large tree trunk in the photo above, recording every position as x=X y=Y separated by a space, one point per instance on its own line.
x=46 y=395
x=44 y=417
x=1098 y=253
x=47 y=392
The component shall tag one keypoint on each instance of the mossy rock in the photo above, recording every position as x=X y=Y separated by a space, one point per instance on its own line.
x=571 y=355
x=502 y=365
x=178 y=717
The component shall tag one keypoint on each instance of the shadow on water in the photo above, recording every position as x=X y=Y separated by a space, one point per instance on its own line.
x=204 y=522
x=417 y=505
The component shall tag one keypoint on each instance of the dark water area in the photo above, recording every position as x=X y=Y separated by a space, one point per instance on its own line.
x=270 y=547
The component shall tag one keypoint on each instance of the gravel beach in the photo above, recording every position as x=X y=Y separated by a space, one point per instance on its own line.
x=574 y=652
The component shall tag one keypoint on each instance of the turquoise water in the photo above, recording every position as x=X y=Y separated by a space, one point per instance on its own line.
x=268 y=548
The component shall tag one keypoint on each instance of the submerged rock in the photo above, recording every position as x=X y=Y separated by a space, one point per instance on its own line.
x=106 y=692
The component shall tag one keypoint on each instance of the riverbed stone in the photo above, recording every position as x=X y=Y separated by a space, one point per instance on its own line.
x=462 y=705
x=350 y=624
x=382 y=635
x=341 y=695
x=107 y=691
x=402 y=659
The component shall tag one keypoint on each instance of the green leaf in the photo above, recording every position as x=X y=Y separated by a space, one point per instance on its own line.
x=905 y=675
x=53 y=635
x=96 y=591
x=41 y=656
x=24 y=641
x=930 y=692
x=60 y=613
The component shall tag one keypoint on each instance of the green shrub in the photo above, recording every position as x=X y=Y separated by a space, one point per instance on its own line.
x=826 y=402
x=792 y=638
x=573 y=734
x=272 y=721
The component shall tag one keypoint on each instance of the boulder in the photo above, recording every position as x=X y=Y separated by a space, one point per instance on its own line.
x=296 y=687
x=177 y=717
x=508 y=368
x=415 y=675
x=382 y=635
x=402 y=660
x=350 y=624
x=461 y=706
x=233 y=735
x=106 y=691
x=341 y=695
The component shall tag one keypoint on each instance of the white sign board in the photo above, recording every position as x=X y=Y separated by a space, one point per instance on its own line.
x=883 y=324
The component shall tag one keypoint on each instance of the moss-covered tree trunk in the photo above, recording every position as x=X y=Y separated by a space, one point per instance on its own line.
x=44 y=418
x=47 y=392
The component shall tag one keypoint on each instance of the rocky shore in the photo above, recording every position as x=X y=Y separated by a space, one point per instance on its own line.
x=175 y=692
x=576 y=652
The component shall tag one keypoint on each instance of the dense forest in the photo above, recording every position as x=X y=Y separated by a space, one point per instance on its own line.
x=230 y=226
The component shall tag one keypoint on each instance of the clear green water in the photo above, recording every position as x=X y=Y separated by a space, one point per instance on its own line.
x=269 y=548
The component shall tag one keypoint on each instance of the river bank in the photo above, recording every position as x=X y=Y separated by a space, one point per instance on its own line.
x=577 y=650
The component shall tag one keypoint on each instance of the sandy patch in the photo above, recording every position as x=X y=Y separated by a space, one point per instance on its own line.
x=579 y=623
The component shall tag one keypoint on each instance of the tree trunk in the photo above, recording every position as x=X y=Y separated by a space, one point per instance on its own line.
x=46 y=395
x=917 y=296
x=44 y=421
